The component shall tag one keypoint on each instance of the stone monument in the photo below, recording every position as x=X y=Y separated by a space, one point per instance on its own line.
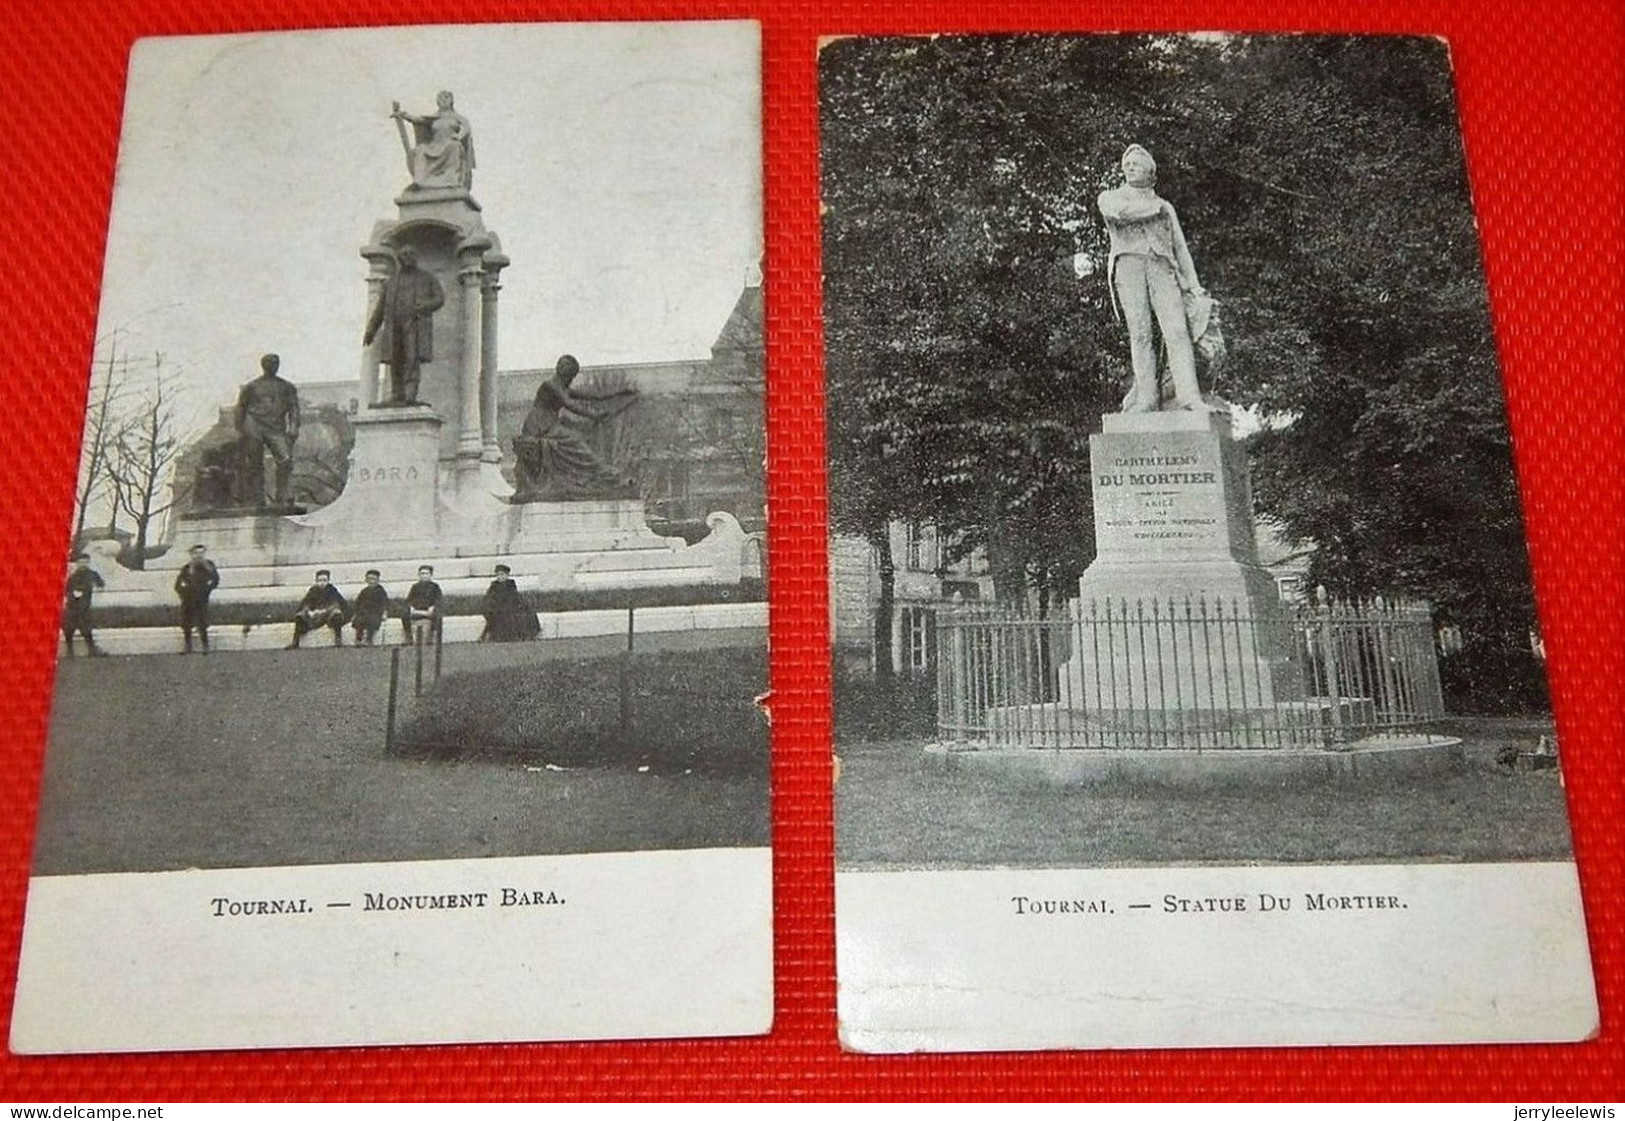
x=1172 y=498
x=424 y=482
x=442 y=352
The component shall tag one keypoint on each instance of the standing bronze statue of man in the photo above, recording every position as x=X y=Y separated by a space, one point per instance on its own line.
x=405 y=311
x=267 y=420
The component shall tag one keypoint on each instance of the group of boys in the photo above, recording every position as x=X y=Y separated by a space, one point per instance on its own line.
x=325 y=606
x=507 y=617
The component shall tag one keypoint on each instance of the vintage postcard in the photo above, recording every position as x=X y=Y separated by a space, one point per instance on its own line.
x=415 y=625
x=1188 y=687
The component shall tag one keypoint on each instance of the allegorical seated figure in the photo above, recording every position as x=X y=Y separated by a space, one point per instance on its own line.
x=444 y=153
x=555 y=457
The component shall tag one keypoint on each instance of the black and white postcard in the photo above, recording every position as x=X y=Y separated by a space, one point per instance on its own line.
x=1188 y=682
x=415 y=625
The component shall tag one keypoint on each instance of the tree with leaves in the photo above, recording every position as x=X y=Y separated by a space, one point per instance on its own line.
x=970 y=339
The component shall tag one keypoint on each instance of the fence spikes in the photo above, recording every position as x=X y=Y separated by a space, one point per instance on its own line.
x=1184 y=672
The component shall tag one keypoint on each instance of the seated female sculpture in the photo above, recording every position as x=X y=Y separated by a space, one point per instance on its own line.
x=554 y=461
x=444 y=153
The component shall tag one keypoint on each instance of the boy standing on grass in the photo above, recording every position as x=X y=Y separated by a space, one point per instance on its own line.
x=82 y=584
x=198 y=577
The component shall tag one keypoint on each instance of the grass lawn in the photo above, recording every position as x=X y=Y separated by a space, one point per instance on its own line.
x=690 y=711
x=163 y=762
x=890 y=813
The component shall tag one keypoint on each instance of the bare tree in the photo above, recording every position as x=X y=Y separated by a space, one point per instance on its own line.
x=103 y=419
x=143 y=456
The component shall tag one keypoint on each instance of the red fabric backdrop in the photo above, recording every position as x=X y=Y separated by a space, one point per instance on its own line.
x=1542 y=94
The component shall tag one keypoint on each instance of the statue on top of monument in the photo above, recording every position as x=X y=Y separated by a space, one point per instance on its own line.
x=1153 y=280
x=405 y=310
x=443 y=155
x=555 y=459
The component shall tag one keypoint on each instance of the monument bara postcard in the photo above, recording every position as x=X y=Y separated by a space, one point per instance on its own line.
x=1188 y=684
x=416 y=622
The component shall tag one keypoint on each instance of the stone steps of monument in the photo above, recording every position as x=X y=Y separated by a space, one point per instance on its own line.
x=458 y=628
x=350 y=581
x=404 y=570
x=1313 y=722
x=410 y=553
x=270 y=584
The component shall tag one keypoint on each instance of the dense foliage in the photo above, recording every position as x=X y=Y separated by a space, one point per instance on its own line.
x=971 y=344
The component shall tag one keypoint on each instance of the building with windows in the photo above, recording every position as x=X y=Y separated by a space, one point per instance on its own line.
x=924 y=577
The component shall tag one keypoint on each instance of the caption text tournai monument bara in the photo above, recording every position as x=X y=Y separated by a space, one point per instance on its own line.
x=433 y=455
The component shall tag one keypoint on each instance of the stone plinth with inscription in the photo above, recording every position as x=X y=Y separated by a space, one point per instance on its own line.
x=1173 y=510
x=392 y=493
x=1176 y=613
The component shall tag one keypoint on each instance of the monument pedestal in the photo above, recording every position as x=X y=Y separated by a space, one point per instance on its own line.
x=1176 y=615
x=392 y=493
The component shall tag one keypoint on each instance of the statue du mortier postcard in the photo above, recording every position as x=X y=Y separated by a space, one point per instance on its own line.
x=1188 y=685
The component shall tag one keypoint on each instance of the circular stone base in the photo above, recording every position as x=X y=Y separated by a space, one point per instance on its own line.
x=1379 y=757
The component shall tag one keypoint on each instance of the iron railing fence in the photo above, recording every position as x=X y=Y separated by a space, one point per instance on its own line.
x=1192 y=673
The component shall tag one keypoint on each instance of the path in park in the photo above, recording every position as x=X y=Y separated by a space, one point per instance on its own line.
x=259 y=758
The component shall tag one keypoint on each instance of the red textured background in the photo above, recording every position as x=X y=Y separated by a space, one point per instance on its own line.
x=1542 y=93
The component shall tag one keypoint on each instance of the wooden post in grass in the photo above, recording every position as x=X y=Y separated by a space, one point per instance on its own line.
x=626 y=677
x=439 y=647
x=417 y=679
x=394 y=684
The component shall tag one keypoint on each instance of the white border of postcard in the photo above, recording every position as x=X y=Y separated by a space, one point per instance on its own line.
x=1013 y=960
x=601 y=946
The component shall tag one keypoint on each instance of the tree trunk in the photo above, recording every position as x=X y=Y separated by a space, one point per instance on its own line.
x=1009 y=574
x=884 y=608
x=138 y=548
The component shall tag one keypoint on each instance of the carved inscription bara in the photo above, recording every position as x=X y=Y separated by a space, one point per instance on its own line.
x=385 y=473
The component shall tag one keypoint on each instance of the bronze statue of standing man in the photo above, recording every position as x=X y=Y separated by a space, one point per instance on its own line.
x=267 y=420
x=405 y=311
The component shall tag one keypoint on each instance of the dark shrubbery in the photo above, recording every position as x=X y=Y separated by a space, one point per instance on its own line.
x=1485 y=680
x=691 y=711
x=868 y=708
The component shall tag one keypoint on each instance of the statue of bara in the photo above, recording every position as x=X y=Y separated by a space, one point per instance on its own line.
x=555 y=457
x=1153 y=281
